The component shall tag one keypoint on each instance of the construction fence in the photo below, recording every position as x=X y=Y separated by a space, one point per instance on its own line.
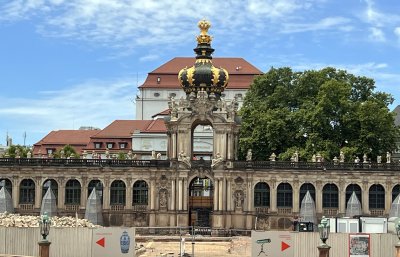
x=183 y=241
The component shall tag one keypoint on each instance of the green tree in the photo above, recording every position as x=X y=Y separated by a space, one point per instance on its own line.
x=15 y=150
x=66 y=151
x=311 y=112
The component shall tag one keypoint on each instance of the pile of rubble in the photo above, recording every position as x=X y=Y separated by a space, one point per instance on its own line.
x=16 y=220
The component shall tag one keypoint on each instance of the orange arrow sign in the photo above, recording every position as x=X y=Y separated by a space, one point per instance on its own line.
x=284 y=246
x=101 y=242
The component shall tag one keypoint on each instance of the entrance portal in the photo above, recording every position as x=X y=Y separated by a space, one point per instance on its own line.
x=201 y=192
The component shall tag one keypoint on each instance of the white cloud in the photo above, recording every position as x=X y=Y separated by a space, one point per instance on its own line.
x=92 y=103
x=126 y=23
x=377 y=35
x=150 y=57
x=397 y=32
x=323 y=24
x=377 y=18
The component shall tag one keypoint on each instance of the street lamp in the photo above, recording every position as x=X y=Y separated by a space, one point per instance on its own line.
x=44 y=226
x=323 y=229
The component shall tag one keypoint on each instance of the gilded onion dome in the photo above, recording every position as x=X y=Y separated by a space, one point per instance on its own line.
x=203 y=76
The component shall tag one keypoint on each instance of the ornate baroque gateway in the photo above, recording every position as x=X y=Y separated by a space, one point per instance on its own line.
x=219 y=193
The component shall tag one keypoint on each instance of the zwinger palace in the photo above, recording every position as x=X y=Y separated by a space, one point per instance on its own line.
x=181 y=186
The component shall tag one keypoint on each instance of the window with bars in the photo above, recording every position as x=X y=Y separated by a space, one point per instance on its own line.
x=73 y=192
x=303 y=191
x=261 y=195
x=330 y=196
x=353 y=188
x=140 y=193
x=376 y=197
x=284 y=195
x=27 y=192
x=117 y=193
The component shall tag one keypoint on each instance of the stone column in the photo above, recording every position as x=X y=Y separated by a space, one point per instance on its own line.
x=388 y=200
x=342 y=200
x=173 y=195
x=153 y=194
x=106 y=194
x=61 y=194
x=273 y=199
x=84 y=196
x=220 y=194
x=296 y=197
x=365 y=198
x=216 y=193
x=229 y=196
x=230 y=146
x=318 y=196
x=15 y=193
x=38 y=193
x=185 y=195
x=180 y=194
x=128 y=202
x=250 y=194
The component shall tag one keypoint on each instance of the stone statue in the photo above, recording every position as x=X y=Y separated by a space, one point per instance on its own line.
x=84 y=154
x=216 y=160
x=272 y=158
x=388 y=157
x=163 y=199
x=365 y=158
x=239 y=199
x=379 y=159
x=314 y=158
x=134 y=157
x=62 y=155
x=357 y=160
x=107 y=154
x=29 y=154
x=153 y=155
x=249 y=155
x=341 y=156
x=183 y=158
x=129 y=155
x=159 y=156
x=296 y=156
x=318 y=157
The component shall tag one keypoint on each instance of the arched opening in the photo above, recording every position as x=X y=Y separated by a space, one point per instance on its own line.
x=330 y=196
x=376 y=197
x=53 y=186
x=7 y=184
x=27 y=192
x=73 y=192
x=99 y=188
x=118 y=193
x=261 y=195
x=201 y=195
x=303 y=191
x=353 y=188
x=395 y=192
x=140 y=193
x=284 y=196
x=202 y=140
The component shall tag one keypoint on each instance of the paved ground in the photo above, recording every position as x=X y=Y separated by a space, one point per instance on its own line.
x=238 y=246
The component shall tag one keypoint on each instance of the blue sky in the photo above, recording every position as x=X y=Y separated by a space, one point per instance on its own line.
x=71 y=63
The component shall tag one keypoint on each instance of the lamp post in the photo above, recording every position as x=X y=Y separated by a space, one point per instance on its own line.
x=323 y=229
x=398 y=235
x=44 y=244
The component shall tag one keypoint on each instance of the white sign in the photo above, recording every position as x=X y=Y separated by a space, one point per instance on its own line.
x=113 y=241
x=271 y=243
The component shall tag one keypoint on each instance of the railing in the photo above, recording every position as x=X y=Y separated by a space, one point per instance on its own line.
x=82 y=162
x=314 y=165
x=262 y=210
x=200 y=163
x=330 y=211
x=139 y=207
x=72 y=207
x=26 y=206
x=284 y=210
x=377 y=212
x=117 y=207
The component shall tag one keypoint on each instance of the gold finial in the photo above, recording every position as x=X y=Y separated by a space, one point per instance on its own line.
x=204 y=25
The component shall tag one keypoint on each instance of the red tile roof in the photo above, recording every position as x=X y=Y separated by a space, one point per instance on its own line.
x=241 y=72
x=125 y=128
x=163 y=113
x=78 y=137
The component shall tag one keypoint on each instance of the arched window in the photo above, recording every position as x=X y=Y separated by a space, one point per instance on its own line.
x=353 y=188
x=330 y=196
x=140 y=193
x=376 y=197
x=27 y=192
x=284 y=195
x=73 y=192
x=7 y=183
x=303 y=191
x=118 y=193
x=261 y=195
x=99 y=188
x=53 y=185
x=395 y=191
